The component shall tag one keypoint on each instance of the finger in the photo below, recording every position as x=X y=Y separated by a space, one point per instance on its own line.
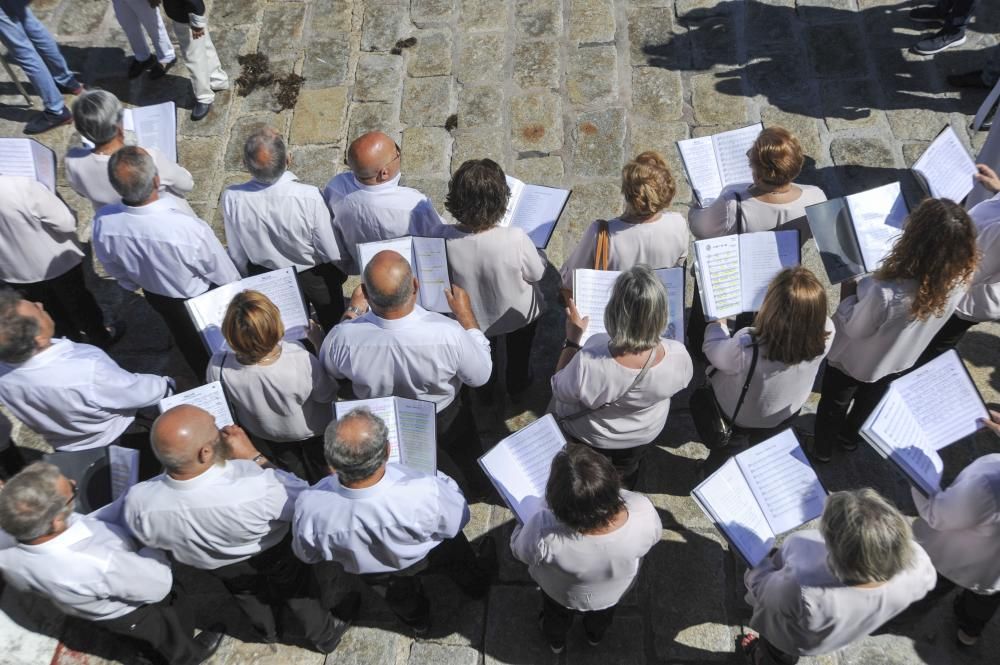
x=571 y=310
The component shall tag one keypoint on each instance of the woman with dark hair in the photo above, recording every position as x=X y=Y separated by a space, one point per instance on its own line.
x=585 y=547
x=886 y=320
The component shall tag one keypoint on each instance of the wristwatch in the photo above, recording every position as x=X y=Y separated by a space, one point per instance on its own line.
x=356 y=310
x=570 y=344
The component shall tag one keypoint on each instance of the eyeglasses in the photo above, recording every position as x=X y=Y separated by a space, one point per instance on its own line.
x=73 y=494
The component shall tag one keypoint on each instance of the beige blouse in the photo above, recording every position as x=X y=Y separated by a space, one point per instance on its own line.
x=87 y=173
x=719 y=218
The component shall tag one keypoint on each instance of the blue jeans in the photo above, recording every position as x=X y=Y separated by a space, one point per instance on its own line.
x=35 y=51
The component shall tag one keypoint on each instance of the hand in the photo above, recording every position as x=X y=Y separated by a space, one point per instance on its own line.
x=237 y=443
x=315 y=335
x=358 y=301
x=988 y=178
x=461 y=306
x=197 y=33
x=849 y=288
x=575 y=326
x=993 y=423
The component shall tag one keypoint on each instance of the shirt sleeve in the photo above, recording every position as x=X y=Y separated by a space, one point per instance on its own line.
x=525 y=542
x=49 y=210
x=111 y=264
x=216 y=266
x=139 y=577
x=710 y=222
x=323 y=236
x=475 y=364
x=302 y=542
x=327 y=353
x=582 y=256
x=324 y=386
x=567 y=383
x=532 y=265
x=115 y=389
x=234 y=246
x=173 y=176
x=964 y=505
x=452 y=508
x=725 y=353
x=284 y=489
x=861 y=315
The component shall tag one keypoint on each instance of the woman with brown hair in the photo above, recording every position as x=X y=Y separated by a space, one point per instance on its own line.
x=886 y=319
x=646 y=233
x=278 y=391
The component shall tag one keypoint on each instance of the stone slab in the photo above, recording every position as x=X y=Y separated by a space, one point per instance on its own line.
x=477 y=58
x=374 y=116
x=327 y=60
x=482 y=15
x=591 y=21
x=539 y=18
x=480 y=106
x=599 y=142
x=479 y=144
x=592 y=76
x=384 y=25
x=424 y=12
x=536 y=122
x=285 y=23
x=657 y=94
x=437 y=654
x=379 y=77
x=319 y=116
x=537 y=64
x=425 y=150
x=715 y=102
x=427 y=101
x=316 y=164
x=432 y=55
x=547 y=171
x=516 y=641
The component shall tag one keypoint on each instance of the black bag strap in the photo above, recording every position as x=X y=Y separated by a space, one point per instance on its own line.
x=739 y=213
x=225 y=388
x=635 y=382
x=746 y=384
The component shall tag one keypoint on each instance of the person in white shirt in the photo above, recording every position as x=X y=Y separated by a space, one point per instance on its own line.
x=498 y=266
x=585 y=546
x=368 y=203
x=216 y=509
x=41 y=257
x=134 y=16
x=399 y=348
x=613 y=393
x=274 y=221
x=885 y=320
x=73 y=395
x=386 y=522
x=147 y=242
x=98 y=116
x=821 y=591
x=95 y=570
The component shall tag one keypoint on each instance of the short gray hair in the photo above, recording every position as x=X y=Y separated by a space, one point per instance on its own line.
x=31 y=500
x=17 y=332
x=265 y=155
x=97 y=115
x=358 y=459
x=867 y=539
x=392 y=299
x=132 y=173
x=636 y=315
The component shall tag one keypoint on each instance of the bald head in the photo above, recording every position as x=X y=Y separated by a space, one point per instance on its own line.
x=265 y=155
x=186 y=440
x=389 y=283
x=133 y=175
x=357 y=445
x=373 y=156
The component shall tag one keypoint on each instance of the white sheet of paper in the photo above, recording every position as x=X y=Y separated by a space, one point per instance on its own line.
x=537 y=212
x=762 y=256
x=124 y=464
x=947 y=167
x=384 y=408
x=673 y=280
x=209 y=397
x=45 y=165
x=28 y=158
x=726 y=497
x=592 y=291
x=516 y=187
x=155 y=127
x=731 y=153
x=878 y=215
x=783 y=482
x=416 y=423
x=893 y=431
x=402 y=246
x=718 y=271
x=702 y=168
x=431 y=257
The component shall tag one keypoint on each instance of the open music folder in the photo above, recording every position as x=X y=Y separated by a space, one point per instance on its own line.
x=153 y=126
x=280 y=286
x=946 y=170
x=734 y=271
x=428 y=258
x=412 y=425
x=715 y=162
x=519 y=465
x=209 y=397
x=855 y=233
x=534 y=209
x=922 y=412
x=762 y=493
x=30 y=159
x=592 y=291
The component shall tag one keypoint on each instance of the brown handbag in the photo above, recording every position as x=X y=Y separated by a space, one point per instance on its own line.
x=603 y=248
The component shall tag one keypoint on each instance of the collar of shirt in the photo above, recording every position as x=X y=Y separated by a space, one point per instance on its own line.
x=411 y=319
x=76 y=532
x=384 y=483
x=255 y=185
x=157 y=207
x=384 y=186
x=60 y=347
x=207 y=477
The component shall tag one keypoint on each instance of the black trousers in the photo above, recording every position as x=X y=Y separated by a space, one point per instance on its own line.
x=771 y=655
x=557 y=620
x=166 y=629
x=322 y=287
x=518 y=371
x=958 y=12
x=303 y=458
x=974 y=611
x=947 y=338
x=71 y=306
x=459 y=448
x=11 y=460
x=627 y=461
x=185 y=335
x=836 y=416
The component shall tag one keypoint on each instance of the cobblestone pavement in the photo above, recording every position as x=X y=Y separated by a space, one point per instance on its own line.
x=559 y=92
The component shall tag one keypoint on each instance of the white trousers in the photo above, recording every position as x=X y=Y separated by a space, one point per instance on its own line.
x=202 y=62
x=133 y=16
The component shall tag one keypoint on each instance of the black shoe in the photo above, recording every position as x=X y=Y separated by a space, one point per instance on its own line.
x=938 y=42
x=47 y=120
x=967 y=80
x=137 y=67
x=209 y=640
x=556 y=647
x=593 y=640
x=330 y=644
x=927 y=15
x=848 y=443
x=74 y=88
x=349 y=607
x=158 y=70
x=115 y=333
x=200 y=110
x=821 y=452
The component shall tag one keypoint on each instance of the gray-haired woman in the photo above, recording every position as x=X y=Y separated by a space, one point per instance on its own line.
x=613 y=393
x=823 y=590
x=98 y=116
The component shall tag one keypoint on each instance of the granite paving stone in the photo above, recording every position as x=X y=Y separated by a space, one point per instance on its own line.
x=478 y=56
x=481 y=106
x=432 y=55
x=591 y=21
x=427 y=101
x=379 y=77
x=285 y=23
x=592 y=76
x=599 y=142
x=536 y=122
x=537 y=64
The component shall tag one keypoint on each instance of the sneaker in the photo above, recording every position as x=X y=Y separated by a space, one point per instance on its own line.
x=74 y=88
x=927 y=15
x=967 y=80
x=821 y=452
x=966 y=640
x=200 y=110
x=159 y=69
x=938 y=42
x=136 y=67
x=47 y=120
x=556 y=647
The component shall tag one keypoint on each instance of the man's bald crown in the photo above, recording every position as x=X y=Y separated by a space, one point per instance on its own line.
x=369 y=153
x=180 y=432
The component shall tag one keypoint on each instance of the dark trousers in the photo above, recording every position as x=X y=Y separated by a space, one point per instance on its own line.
x=974 y=610
x=459 y=448
x=165 y=629
x=185 y=335
x=518 y=371
x=275 y=585
x=771 y=655
x=71 y=306
x=557 y=620
x=322 y=287
x=947 y=338
x=836 y=416
x=957 y=12
x=627 y=461
x=11 y=460
x=303 y=458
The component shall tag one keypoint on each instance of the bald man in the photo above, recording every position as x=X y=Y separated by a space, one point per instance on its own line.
x=219 y=506
x=399 y=348
x=368 y=204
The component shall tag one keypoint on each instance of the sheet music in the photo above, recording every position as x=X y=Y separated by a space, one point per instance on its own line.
x=17 y=158
x=384 y=408
x=702 y=168
x=673 y=280
x=416 y=422
x=402 y=246
x=731 y=153
x=894 y=431
x=719 y=276
x=831 y=227
x=783 y=482
x=947 y=167
x=45 y=164
x=431 y=257
x=878 y=215
x=727 y=498
x=124 y=463
x=209 y=397
x=762 y=256
x=516 y=187
x=155 y=127
x=537 y=212
x=592 y=291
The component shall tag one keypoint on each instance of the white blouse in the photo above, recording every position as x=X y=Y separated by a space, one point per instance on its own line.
x=87 y=173
x=719 y=218
x=982 y=301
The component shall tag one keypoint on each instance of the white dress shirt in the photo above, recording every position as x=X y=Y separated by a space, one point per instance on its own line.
x=662 y=243
x=161 y=249
x=87 y=174
x=803 y=609
x=593 y=378
x=777 y=391
x=384 y=528
x=960 y=526
x=875 y=334
x=587 y=572
x=76 y=396
x=286 y=223
x=37 y=232
x=719 y=218
x=227 y=514
x=92 y=570
x=982 y=301
x=365 y=213
x=288 y=400
x=423 y=355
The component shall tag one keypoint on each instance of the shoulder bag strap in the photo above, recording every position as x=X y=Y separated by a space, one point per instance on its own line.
x=602 y=249
x=635 y=382
x=746 y=384
x=739 y=213
x=225 y=388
